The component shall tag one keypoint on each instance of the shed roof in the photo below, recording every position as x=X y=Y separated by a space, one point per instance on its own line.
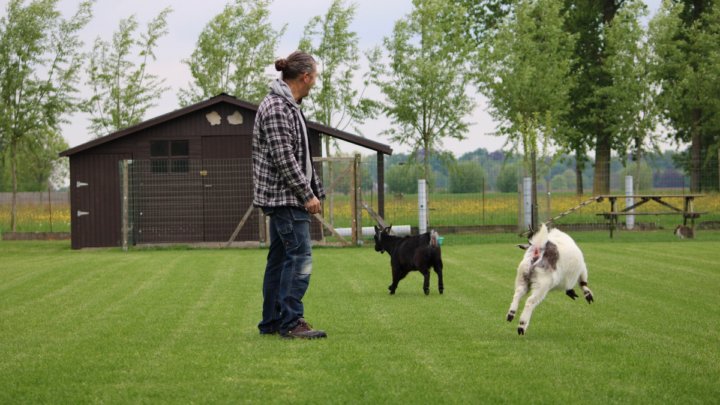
x=345 y=136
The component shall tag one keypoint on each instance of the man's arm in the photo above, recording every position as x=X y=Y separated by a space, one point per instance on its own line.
x=277 y=128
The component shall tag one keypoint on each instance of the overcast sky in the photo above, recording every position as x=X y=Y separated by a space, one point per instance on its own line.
x=374 y=20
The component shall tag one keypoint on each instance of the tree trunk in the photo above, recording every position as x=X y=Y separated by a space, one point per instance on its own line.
x=427 y=182
x=13 y=212
x=695 y=152
x=638 y=160
x=578 y=179
x=601 y=183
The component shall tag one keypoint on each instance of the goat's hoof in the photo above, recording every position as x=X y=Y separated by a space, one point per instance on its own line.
x=510 y=316
x=589 y=297
x=521 y=330
x=441 y=291
x=427 y=292
x=571 y=293
x=392 y=292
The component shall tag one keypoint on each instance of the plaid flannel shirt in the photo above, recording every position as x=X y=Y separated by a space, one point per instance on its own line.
x=277 y=148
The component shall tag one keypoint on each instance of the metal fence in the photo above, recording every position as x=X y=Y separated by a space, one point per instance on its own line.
x=481 y=201
x=37 y=211
x=491 y=207
x=198 y=201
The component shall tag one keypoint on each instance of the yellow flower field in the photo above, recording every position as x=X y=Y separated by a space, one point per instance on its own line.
x=446 y=210
x=36 y=218
x=502 y=209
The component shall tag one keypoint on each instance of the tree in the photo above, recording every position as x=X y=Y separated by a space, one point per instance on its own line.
x=40 y=60
x=232 y=53
x=334 y=101
x=558 y=182
x=642 y=176
x=425 y=93
x=42 y=163
x=37 y=166
x=686 y=39
x=404 y=179
x=483 y=17
x=631 y=64
x=123 y=91
x=590 y=123
x=508 y=178
x=469 y=178
x=524 y=73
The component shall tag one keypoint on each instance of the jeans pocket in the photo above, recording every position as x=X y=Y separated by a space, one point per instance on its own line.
x=286 y=231
x=300 y=214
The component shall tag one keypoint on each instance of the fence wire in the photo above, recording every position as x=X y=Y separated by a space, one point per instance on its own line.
x=482 y=200
x=203 y=201
x=479 y=201
x=36 y=211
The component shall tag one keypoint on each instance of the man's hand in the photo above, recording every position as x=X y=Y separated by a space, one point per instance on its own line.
x=313 y=206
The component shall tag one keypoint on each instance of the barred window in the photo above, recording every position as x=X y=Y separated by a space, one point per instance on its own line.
x=169 y=157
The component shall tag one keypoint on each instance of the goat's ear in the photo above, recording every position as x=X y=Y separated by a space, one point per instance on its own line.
x=376 y=228
x=523 y=247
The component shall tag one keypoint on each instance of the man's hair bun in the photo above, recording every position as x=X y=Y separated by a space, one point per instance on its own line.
x=281 y=65
x=296 y=65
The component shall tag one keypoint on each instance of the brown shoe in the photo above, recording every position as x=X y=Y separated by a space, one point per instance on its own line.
x=304 y=331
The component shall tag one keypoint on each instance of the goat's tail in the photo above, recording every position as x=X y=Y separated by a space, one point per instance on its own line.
x=434 y=239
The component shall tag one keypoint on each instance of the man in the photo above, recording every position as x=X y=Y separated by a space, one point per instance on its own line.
x=288 y=190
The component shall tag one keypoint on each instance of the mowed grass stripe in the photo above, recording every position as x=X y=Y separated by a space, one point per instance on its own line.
x=181 y=326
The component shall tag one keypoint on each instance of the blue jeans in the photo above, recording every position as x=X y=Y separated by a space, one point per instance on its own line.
x=289 y=265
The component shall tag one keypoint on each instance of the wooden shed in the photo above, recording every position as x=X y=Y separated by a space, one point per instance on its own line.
x=178 y=157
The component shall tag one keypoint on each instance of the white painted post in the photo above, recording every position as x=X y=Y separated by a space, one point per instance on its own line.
x=422 y=206
x=629 y=219
x=527 y=201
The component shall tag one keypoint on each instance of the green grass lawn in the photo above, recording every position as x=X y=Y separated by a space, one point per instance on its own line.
x=179 y=326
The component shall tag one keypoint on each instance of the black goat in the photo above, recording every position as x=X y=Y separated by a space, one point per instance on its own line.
x=411 y=253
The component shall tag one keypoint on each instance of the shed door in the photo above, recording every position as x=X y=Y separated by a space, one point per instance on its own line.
x=96 y=184
x=228 y=190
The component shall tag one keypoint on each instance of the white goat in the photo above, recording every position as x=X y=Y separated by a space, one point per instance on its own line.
x=552 y=261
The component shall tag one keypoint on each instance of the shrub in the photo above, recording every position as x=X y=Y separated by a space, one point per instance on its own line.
x=469 y=178
x=404 y=179
x=646 y=176
x=507 y=179
x=558 y=182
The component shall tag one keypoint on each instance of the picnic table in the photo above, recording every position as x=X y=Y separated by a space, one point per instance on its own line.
x=687 y=212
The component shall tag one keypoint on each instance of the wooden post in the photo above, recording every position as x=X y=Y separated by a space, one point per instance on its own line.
x=520 y=209
x=50 y=207
x=125 y=194
x=483 y=195
x=240 y=225
x=358 y=198
x=617 y=218
x=353 y=212
x=331 y=200
x=692 y=218
x=683 y=182
x=381 y=184
x=549 y=211
x=533 y=193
